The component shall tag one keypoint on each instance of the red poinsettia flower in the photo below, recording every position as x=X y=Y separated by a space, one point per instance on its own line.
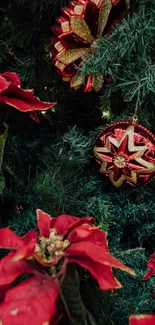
x=65 y=238
x=12 y=94
x=142 y=320
x=151 y=266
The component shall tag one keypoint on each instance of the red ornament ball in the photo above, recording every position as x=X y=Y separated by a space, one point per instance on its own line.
x=125 y=152
x=75 y=34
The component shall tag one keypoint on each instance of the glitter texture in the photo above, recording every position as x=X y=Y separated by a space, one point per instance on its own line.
x=103 y=15
x=59 y=47
x=70 y=56
x=78 y=10
x=65 y=26
x=81 y=24
x=80 y=28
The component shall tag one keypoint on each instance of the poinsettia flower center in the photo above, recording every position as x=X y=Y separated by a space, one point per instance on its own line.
x=51 y=248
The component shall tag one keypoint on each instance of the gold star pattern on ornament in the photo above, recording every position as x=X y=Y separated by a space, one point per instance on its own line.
x=112 y=157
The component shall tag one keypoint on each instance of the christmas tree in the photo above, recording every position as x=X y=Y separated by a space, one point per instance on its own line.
x=50 y=165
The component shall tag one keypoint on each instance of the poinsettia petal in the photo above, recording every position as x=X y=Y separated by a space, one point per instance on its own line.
x=31 y=236
x=102 y=273
x=11 y=270
x=11 y=77
x=142 y=320
x=3 y=290
x=31 y=302
x=43 y=223
x=152 y=257
x=89 y=232
x=24 y=252
x=3 y=84
x=8 y=239
x=96 y=253
x=34 y=116
x=23 y=100
x=65 y=223
x=150 y=272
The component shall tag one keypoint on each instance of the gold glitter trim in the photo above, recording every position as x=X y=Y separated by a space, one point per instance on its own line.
x=66 y=78
x=59 y=47
x=96 y=2
x=81 y=29
x=127 y=2
x=69 y=56
x=77 y=81
x=98 y=82
x=59 y=65
x=78 y=9
x=65 y=26
x=103 y=15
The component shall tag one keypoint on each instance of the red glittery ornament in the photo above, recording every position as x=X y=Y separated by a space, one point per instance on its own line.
x=126 y=154
x=77 y=29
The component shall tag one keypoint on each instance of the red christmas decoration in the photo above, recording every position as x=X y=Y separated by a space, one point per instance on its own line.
x=142 y=320
x=125 y=152
x=77 y=29
x=12 y=94
x=65 y=238
x=151 y=266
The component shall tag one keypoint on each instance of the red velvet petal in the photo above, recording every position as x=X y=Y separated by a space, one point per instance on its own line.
x=34 y=116
x=96 y=253
x=23 y=100
x=8 y=239
x=10 y=270
x=150 y=272
x=102 y=273
x=24 y=252
x=65 y=223
x=89 y=232
x=3 y=84
x=31 y=236
x=43 y=223
x=142 y=320
x=3 y=290
x=31 y=302
x=11 y=77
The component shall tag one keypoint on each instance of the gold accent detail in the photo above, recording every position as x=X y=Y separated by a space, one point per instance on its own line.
x=103 y=15
x=65 y=26
x=149 y=167
x=66 y=78
x=78 y=9
x=95 y=1
x=81 y=29
x=98 y=82
x=77 y=81
x=120 y=161
x=59 y=47
x=127 y=2
x=59 y=65
x=69 y=56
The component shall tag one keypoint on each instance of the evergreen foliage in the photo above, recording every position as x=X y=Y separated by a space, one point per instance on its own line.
x=50 y=166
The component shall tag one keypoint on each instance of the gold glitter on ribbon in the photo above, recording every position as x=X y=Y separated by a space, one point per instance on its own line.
x=127 y=2
x=80 y=28
x=70 y=56
x=59 y=46
x=103 y=15
x=77 y=81
x=65 y=26
x=78 y=9
x=98 y=82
